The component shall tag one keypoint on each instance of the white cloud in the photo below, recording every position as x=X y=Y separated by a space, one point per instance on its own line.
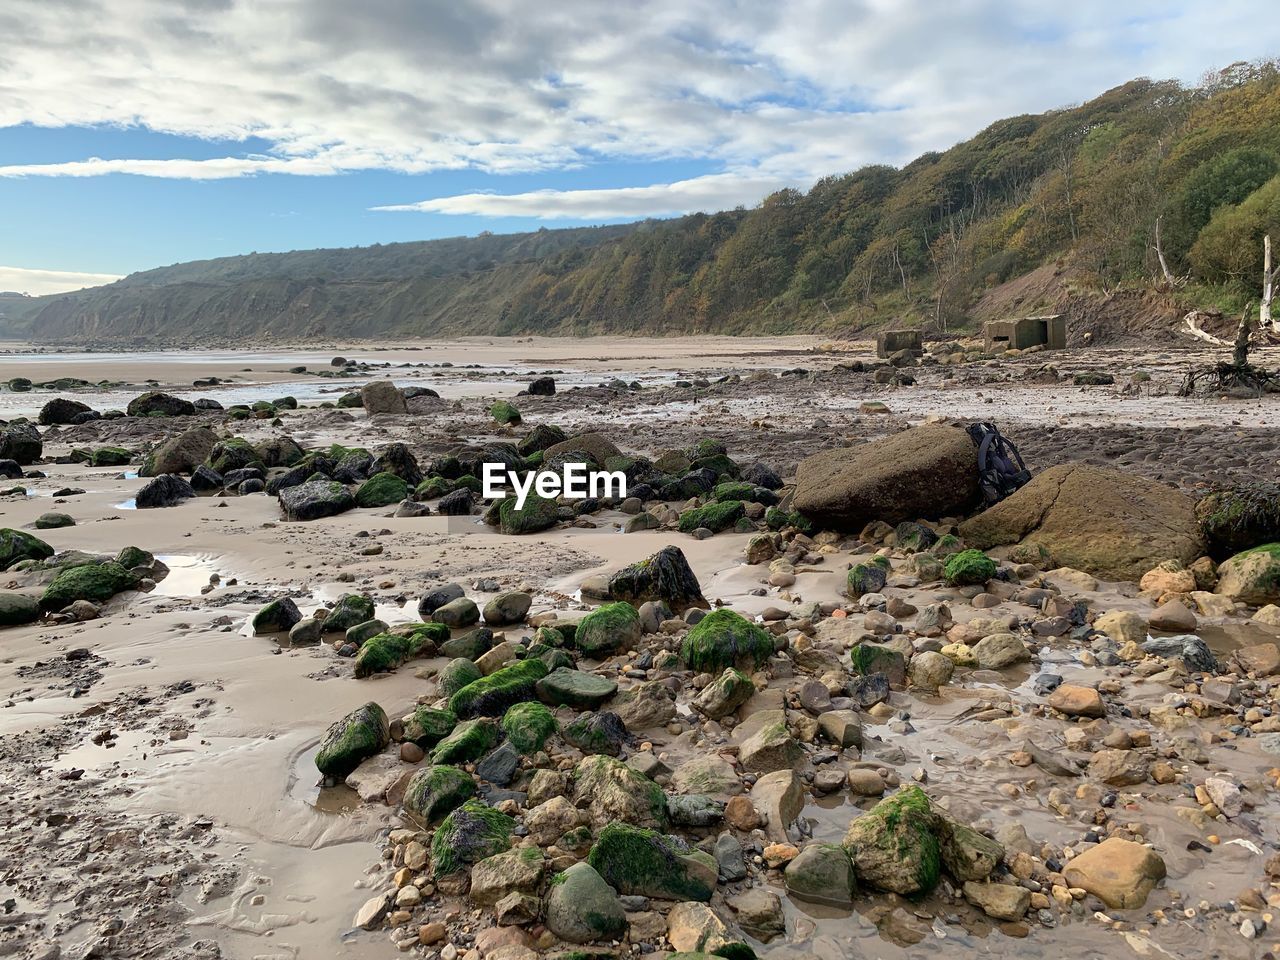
x=706 y=194
x=38 y=282
x=760 y=93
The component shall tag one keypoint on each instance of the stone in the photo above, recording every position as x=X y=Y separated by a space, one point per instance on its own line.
x=513 y=871
x=923 y=472
x=1168 y=577
x=723 y=695
x=1119 y=768
x=634 y=860
x=360 y=734
x=369 y=916
x=1119 y=872
x=278 y=616
x=1225 y=795
x=968 y=854
x=382 y=396
x=1122 y=626
x=581 y=907
x=613 y=792
x=865 y=783
x=894 y=847
x=759 y=913
x=929 y=670
x=182 y=453
x=708 y=774
x=575 y=688
x=458 y=613
x=693 y=927
x=551 y=820
x=17 y=609
x=608 y=629
x=1077 y=701
x=314 y=500
x=1105 y=522
x=21 y=444
x=1172 y=617
x=1000 y=650
x=1262 y=659
x=694 y=810
x=156 y=403
x=841 y=727
x=821 y=873
x=740 y=813
x=769 y=746
x=779 y=795
x=166 y=490
x=507 y=609
x=1252 y=577
x=665 y=576
x=1001 y=901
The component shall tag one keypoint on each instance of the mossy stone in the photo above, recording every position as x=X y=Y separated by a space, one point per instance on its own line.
x=468 y=835
x=436 y=791
x=98 y=582
x=110 y=457
x=17 y=609
x=503 y=411
x=357 y=736
x=725 y=639
x=538 y=513
x=575 y=688
x=528 y=725
x=491 y=696
x=427 y=726
x=969 y=568
x=381 y=490
x=469 y=740
x=634 y=860
x=895 y=845
x=53 y=520
x=456 y=674
x=608 y=629
x=16 y=545
x=715 y=517
x=350 y=609
x=869 y=577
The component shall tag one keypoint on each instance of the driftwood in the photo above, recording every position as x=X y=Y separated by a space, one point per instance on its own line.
x=1239 y=374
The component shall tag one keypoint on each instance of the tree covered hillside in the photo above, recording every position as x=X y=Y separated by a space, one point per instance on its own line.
x=1083 y=190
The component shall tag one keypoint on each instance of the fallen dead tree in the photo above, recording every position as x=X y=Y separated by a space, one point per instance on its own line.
x=1238 y=376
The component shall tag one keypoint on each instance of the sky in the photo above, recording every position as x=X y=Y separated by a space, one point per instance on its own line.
x=139 y=133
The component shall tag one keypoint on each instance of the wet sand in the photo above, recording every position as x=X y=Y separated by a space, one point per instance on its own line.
x=210 y=790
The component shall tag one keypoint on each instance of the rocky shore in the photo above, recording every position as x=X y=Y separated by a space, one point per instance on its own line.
x=798 y=694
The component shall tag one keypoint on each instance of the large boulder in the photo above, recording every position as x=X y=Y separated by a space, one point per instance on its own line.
x=597 y=445
x=646 y=863
x=315 y=499
x=166 y=490
x=359 y=735
x=664 y=576
x=18 y=545
x=1252 y=577
x=382 y=396
x=98 y=582
x=180 y=454
x=1110 y=524
x=61 y=410
x=1118 y=872
x=929 y=471
x=157 y=404
x=582 y=908
x=21 y=443
x=1240 y=518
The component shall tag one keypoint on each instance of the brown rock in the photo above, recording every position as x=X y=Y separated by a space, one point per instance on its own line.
x=1076 y=701
x=1118 y=872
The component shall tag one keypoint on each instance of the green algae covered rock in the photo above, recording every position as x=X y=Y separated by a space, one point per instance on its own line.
x=608 y=629
x=436 y=791
x=469 y=740
x=468 y=835
x=386 y=651
x=350 y=609
x=278 y=616
x=969 y=568
x=381 y=490
x=491 y=696
x=725 y=639
x=234 y=453
x=110 y=457
x=581 y=908
x=715 y=517
x=894 y=846
x=427 y=726
x=869 y=577
x=566 y=687
x=646 y=863
x=776 y=518
x=17 y=609
x=456 y=674
x=528 y=725
x=91 y=581
x=505 y=412
x=17 y=545
x=538 y=513
x=1252 y=577
x=356 y=737
x=665 y=576
x=53 y=520
x=614 y=792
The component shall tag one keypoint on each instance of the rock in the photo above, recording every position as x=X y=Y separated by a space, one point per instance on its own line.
x=180 y=454
x=458 y=503
x=157 y=404
x=597 y=732
x=967 y=854
x=549 y=821
x=1122 y=626
x=780 y=797
x=98 y=582
x=1107 y=523
x=381 y=490
x=18 y=545
x=278 y=616
x=1119 y=768
x=1173 y=617
x=54 y=520
x=581 y=907
x=1118 y=872
x=693 y=927
x=1252 y=577
x=665 y=576
x=644 y=862
x=841 y=727
x=694 y=810
x=17 y=609
x=1189 y=648
x=929 y=670
x=865 y=783
x=461 y=612
x=723 y=695
x=1168 y=577
x=646 y=705
x=350 y=610
x=613 y=792
x=537 y=514
x=469 y=740
x=166 y=490
x=436 y=791
x=1262 y=659
x=359 y=735
x=725 y=639
x=542 y=387
x=61 y=410
x=1000 y=650
x=528 y=726
x=382 y=396
x=929 y=471
x=468 y=835
x=306 y=632
x=491 y=695
x=315 y=499
x=1077 y=701
x=500 y=766
x=21 y=444
x=433 y=600
x=369 y=916
x=1002 y=901
x=893 y=846
x=507 y=608
x=707 y=774
x=513 y=871
x=575 y=688
x=608 y=629
x=821 y=873
x=759 y=913
x=1240 y=517
x=768 y=746
x=868 y=691
x=1268 y=615
x=1225 y=795
x=596 y=445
